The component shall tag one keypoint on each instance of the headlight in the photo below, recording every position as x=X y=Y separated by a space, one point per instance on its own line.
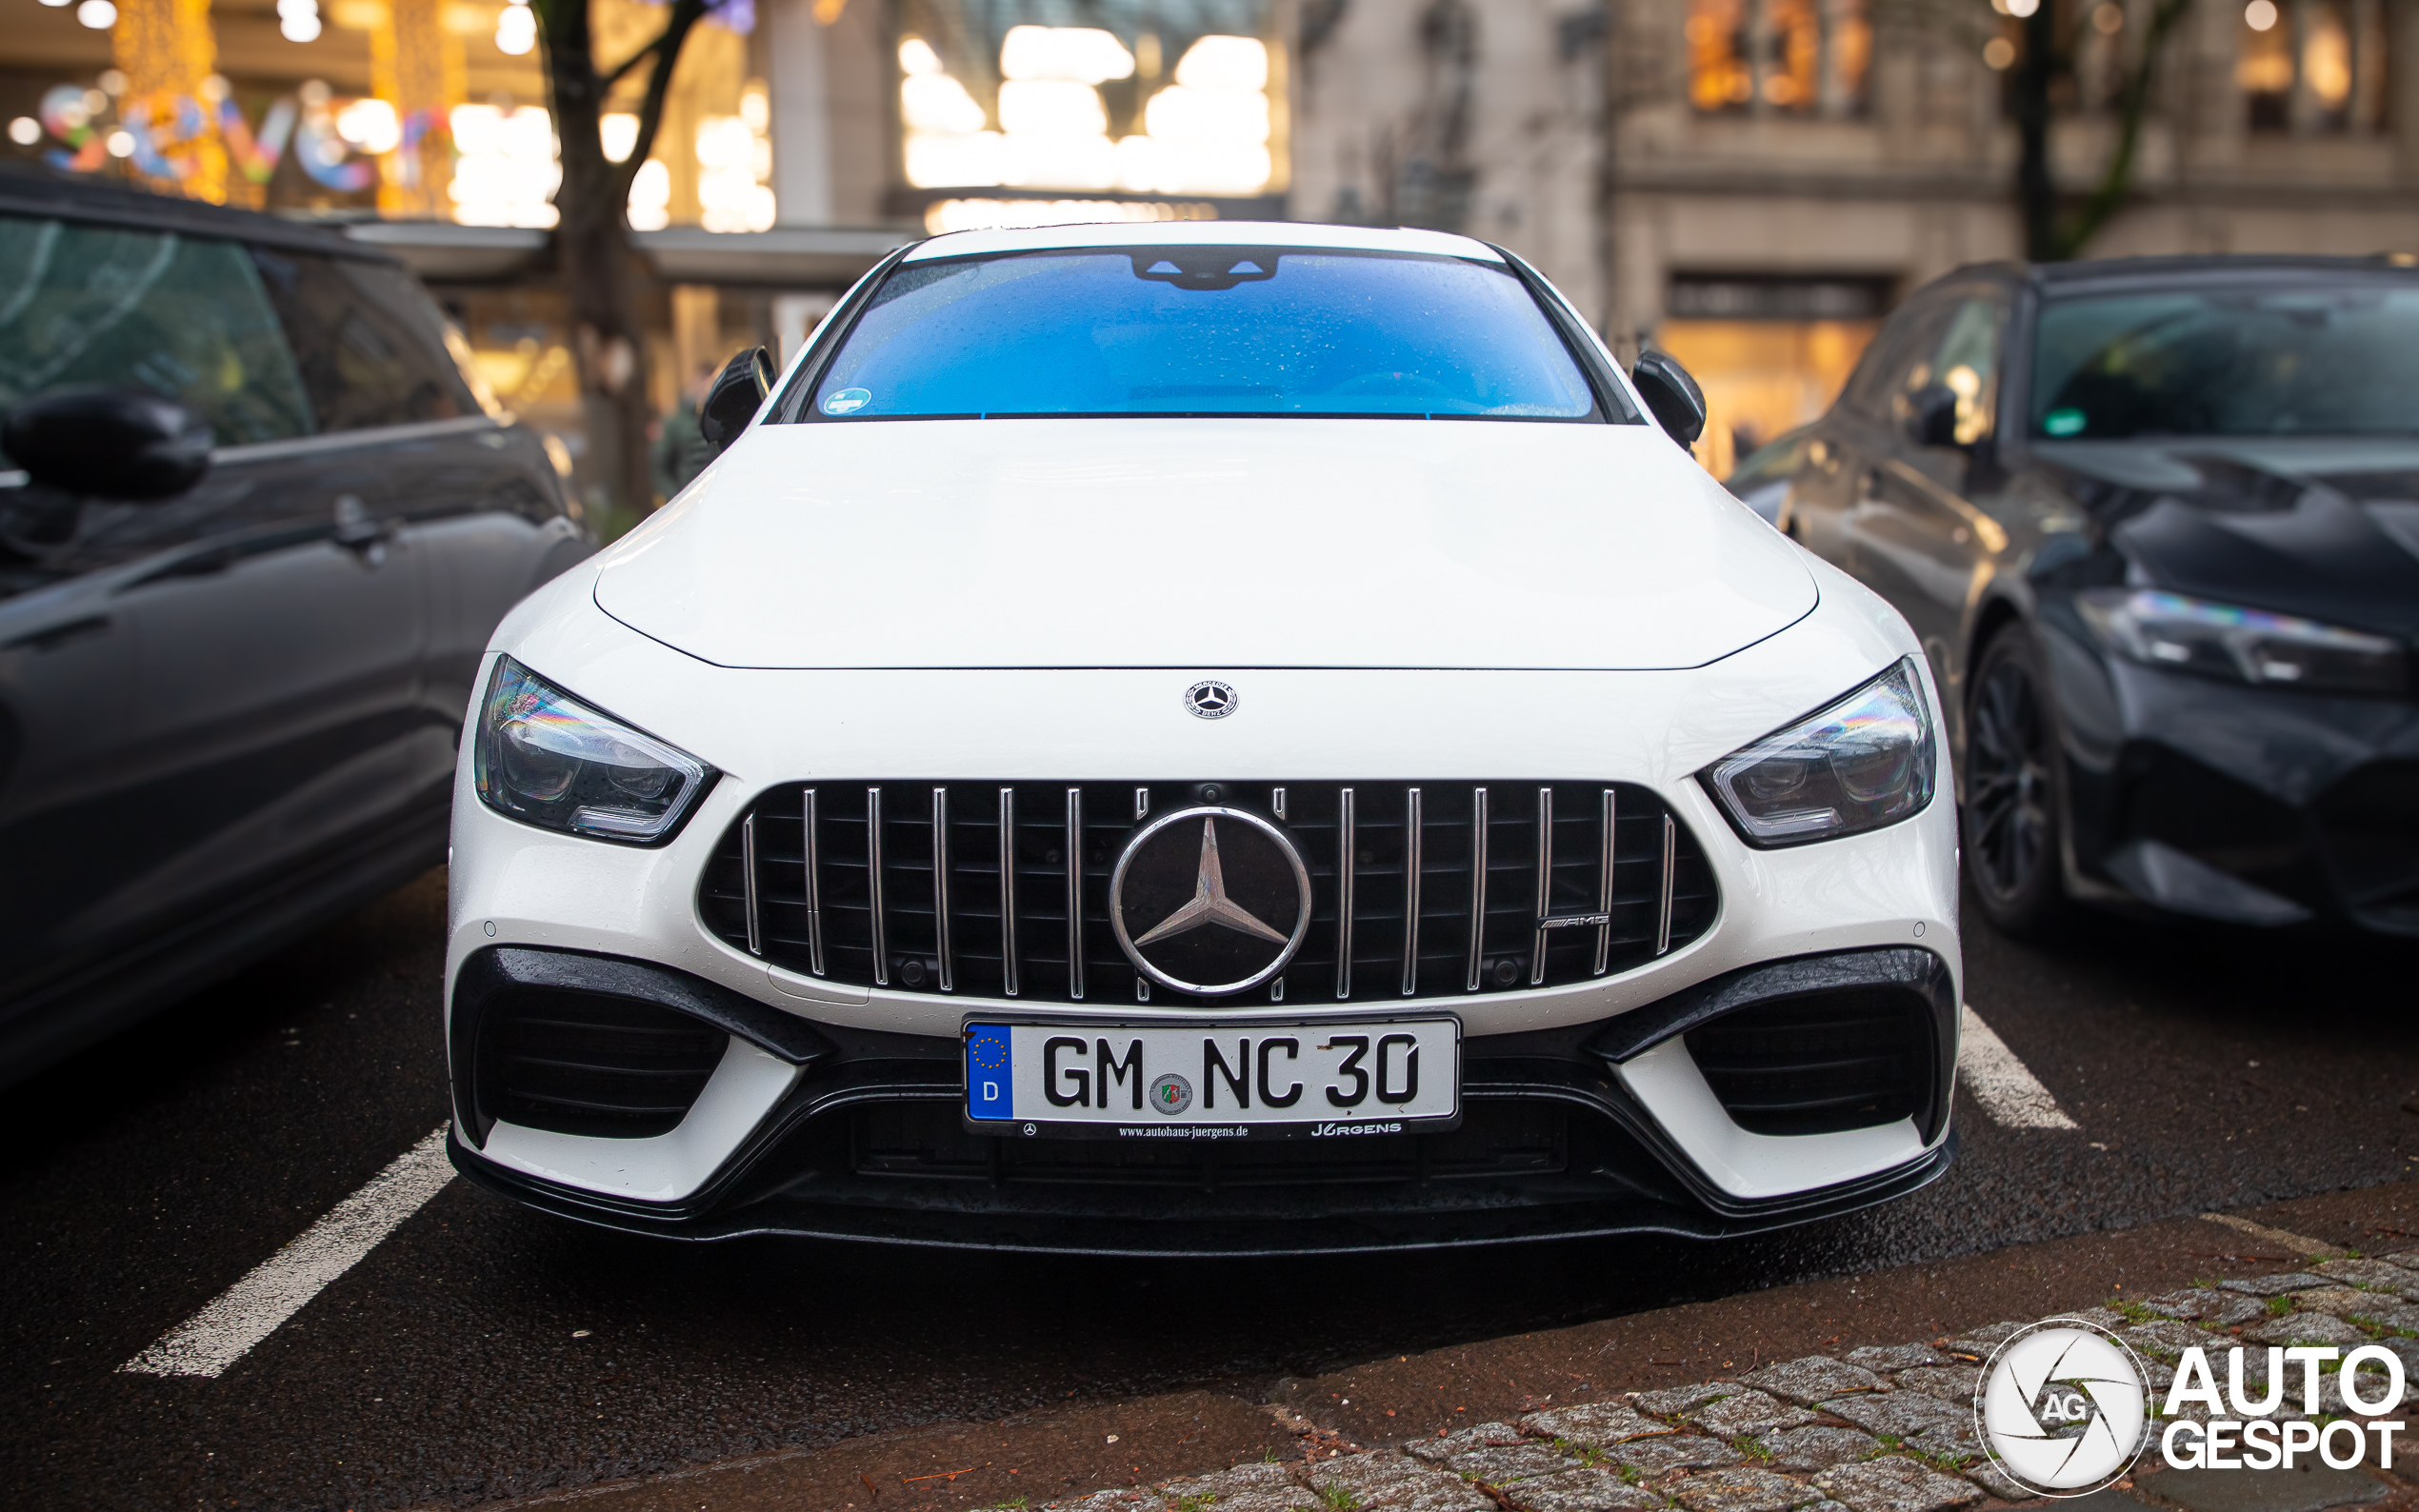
x=547 y=759
x=2249 y=645
x=1865 y=762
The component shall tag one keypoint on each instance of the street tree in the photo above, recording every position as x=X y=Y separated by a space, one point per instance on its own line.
x=2052 y=229
x=602 y=275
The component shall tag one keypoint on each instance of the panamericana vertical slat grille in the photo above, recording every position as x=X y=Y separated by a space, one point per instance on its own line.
x=1418 y=890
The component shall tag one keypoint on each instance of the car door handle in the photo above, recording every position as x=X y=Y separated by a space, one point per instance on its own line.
x=360 y=532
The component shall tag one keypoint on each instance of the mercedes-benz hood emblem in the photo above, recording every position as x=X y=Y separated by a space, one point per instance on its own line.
x=1209 y=900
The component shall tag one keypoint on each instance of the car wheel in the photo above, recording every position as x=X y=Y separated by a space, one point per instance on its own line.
x=2011 y=800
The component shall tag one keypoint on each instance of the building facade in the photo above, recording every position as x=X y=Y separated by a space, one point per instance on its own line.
x=1749 y=183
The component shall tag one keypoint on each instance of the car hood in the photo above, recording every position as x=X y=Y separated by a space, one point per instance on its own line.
x=1205 y=542
x=2324 y=528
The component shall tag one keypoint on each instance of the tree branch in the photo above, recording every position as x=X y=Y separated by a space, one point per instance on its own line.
x=612 y=76
x=666 y=47
x=2132 y=104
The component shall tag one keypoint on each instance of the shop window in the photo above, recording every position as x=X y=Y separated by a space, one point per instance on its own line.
x=2313 y=66
x=1145 y=97
x=1799 y=57
x=1770 y=350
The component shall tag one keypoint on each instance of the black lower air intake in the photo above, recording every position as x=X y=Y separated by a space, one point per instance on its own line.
x=574 y=1062
x=578 y=1044
x=1844 y=1059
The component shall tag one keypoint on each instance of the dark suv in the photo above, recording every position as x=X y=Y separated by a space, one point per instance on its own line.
x=2156 y=520
x=258 y=529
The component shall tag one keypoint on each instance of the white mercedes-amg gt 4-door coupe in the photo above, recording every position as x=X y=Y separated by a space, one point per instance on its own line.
x=1203 y=739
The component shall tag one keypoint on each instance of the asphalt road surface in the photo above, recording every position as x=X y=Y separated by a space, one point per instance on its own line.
x=480 y=1351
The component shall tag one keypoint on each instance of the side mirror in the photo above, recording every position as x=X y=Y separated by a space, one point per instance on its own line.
x=111 y=442
x=1932 y=416
x=1672 y=397
x=739 y=392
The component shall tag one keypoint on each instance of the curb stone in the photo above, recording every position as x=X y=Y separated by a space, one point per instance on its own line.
x=1776 y=1439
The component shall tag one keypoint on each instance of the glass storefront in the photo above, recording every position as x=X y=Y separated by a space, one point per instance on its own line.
x=1169 y=99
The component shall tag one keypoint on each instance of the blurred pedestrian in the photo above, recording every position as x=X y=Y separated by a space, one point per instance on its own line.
x=679 y=451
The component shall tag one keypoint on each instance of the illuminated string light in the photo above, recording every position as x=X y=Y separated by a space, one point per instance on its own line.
x=298 y=20
x=515 y=28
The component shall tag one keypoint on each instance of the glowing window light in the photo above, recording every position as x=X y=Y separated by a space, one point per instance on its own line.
x=1225 y=63
x=722 y=143
x=938 y=161
x=370 y=126
x=936 y=102
x=1052 y=108
x=1185 y=113
x=1145 y=166
x=1078 y=54
x=506 y=169
x=650 y=196
x=1059 y=161
x=985 y=214
x=619 y=134
x=734 y=157
x=1205 y=133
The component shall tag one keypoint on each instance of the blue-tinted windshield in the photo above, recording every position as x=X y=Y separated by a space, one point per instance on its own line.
x=1201 y=330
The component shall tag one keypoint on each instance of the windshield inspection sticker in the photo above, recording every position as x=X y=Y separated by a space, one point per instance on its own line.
x=846 y=401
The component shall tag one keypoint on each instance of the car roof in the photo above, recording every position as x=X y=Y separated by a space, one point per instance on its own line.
x=2168 y=272
x=1205 y=233
x=25 y=193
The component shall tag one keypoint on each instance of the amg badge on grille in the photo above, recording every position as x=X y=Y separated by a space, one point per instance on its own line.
x=1209 y=900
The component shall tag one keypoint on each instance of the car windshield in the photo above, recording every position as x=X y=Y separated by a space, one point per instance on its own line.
x=1195 y=330
x=2333 y=360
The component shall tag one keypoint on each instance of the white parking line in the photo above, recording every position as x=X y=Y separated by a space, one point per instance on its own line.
x=2011 y=1095
x=250 y=1310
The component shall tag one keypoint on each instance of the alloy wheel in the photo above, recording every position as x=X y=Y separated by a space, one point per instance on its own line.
x=2008 y=819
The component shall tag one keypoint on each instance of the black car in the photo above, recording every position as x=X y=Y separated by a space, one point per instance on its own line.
x=255 y=528
x=2156 y=520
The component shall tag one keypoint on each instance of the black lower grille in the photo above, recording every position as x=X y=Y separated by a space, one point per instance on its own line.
x=929 y=1140
x=2368 y=824
x=1822 y=1063
x=874 y=902
x=577 y=1063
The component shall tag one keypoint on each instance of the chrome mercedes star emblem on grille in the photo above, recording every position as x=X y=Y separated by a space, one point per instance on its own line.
x=1210 y=902
x=1211 y=899
x=1210 y=699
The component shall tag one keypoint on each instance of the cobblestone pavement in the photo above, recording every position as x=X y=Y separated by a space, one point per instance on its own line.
x=1880 y=1428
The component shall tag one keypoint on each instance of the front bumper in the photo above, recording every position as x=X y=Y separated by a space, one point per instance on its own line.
x=2249 y=806
x=866 y=1139
x=833 y=1132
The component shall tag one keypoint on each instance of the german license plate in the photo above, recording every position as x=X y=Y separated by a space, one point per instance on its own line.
x=1158 y=1080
